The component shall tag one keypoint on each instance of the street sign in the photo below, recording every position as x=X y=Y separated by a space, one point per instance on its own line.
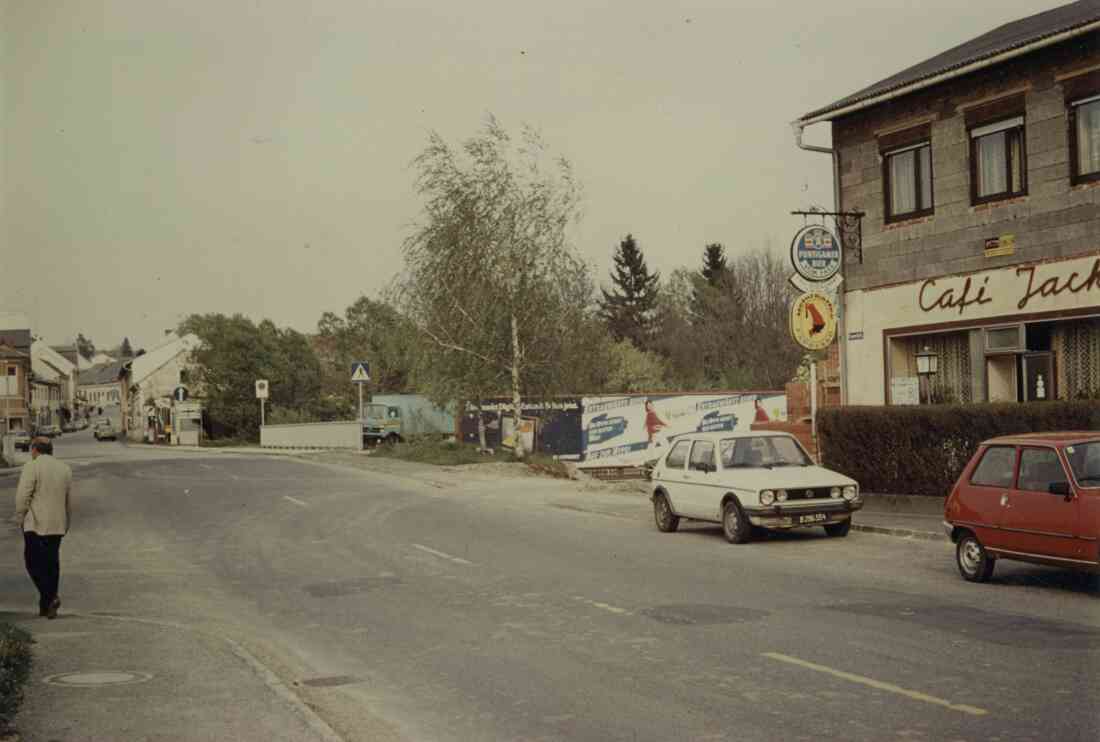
x=815 y=253
x=360 y=372
x=261 y=389
x=180 y=394
x=813 y=321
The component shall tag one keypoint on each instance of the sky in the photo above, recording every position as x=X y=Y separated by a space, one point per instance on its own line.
x=163 y=158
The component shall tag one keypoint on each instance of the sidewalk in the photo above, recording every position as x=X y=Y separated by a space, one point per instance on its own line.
x=110 y=677
x=905 y=516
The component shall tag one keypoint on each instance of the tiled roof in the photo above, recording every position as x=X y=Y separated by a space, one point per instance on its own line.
x=998 y=41
x=104 y=373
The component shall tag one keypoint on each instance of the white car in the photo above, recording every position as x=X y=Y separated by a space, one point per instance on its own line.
x=747 y=480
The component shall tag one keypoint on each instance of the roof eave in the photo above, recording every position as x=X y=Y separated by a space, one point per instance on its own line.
x=830 y=113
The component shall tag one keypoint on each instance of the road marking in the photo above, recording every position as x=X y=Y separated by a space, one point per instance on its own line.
x=878 y=684
x=441 y=555
x=604 y=606
x=296 y=502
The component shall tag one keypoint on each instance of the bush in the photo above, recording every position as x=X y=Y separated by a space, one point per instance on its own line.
x=15 y=668
x=921 y=450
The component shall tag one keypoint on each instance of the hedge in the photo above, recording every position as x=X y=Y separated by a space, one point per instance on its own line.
x=921 y=450
x=15 y=668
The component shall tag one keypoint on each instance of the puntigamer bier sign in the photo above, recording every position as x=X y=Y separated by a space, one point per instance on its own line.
x=1027 y=286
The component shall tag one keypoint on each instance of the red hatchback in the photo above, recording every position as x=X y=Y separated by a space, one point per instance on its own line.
x=1033 y=497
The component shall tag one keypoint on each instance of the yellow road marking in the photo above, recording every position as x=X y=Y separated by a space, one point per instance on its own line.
x=878 y=684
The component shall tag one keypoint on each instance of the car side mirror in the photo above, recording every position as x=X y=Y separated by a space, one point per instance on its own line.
x=1060 y=488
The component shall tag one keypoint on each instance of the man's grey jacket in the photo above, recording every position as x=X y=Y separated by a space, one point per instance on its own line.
x=42 y=498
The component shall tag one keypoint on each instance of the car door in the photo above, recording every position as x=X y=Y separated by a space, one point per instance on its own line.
x=672 y=476
x=984 y=493
x=700 y=480
x=1036 y=521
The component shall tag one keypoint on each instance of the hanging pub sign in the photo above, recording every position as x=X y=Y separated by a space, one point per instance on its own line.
x=813 y=321
x=815 y=253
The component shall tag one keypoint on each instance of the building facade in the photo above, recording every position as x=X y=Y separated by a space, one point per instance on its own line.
x=151 y=411
x=15 y=372
x=978 y=173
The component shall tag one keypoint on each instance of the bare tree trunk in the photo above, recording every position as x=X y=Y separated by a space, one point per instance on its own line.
x=516 y=360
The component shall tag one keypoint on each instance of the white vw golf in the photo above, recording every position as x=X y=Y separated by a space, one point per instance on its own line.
x=747 y=480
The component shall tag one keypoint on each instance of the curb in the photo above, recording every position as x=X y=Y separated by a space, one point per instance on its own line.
x=900 y=532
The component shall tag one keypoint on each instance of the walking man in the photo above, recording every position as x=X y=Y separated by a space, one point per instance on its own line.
x=42 y=511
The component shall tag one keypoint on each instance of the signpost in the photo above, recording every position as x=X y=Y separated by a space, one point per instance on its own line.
x=261 y=394
x=817 y=257
x=360 y=375
x=180 y=394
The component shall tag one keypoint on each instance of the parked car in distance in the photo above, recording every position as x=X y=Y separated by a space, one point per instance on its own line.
x=50 y=431
x=69 y=427
x=104 y=431
x=749 y=480
x=22 y=440
x=1032 y=498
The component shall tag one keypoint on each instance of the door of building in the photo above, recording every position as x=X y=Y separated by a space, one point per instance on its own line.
x=1001 y=380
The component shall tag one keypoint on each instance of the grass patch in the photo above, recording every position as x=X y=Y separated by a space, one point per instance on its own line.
x=433 y=451
x=15 y=668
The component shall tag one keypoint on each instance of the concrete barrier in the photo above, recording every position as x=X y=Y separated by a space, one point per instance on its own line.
x=345 y=435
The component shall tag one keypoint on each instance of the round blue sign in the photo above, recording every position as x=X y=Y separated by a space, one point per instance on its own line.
x=815 y=254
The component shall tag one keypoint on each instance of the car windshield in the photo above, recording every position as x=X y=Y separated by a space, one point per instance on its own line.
x=1084 y=459
x=762 y=452
x=375 y=410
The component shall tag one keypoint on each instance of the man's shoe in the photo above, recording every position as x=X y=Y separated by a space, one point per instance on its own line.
x=42 y=611
x=51 y=612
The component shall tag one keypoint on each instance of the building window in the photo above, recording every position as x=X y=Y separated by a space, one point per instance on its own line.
x=998 y=163
x=1084 y=127
x=909 y=182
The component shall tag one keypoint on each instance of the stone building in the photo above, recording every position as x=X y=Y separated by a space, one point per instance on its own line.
x=978 y=172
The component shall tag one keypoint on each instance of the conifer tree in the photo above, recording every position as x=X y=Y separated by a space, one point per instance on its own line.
x=629 y=307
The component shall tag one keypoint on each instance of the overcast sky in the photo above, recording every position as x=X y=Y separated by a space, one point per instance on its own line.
x=168 y=157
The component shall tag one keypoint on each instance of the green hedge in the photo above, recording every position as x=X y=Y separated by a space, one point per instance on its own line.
x=921 y=450
x=15 y=668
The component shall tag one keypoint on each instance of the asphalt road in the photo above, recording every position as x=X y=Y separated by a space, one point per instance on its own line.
x=438 y=605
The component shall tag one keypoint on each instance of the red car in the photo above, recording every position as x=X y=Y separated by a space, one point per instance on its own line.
x=1033 y=497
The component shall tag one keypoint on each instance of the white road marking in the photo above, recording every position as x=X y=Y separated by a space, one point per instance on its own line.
x=206 y=466
x=604 y=606
x=877 y=684
x=296 y=502
x=441 y=555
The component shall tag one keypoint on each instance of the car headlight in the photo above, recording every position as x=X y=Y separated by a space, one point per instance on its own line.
x=834 y=492
x=767 y=497
x=850 y=493
x=781 y=495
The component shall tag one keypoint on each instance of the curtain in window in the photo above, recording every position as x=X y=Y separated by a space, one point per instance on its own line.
x=952 y=381
x=926 y=177
x=992 y=168
x=903 y=182
x=1077 y=357
x=1088 y=138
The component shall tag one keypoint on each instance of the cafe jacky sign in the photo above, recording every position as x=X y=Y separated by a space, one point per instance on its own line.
x=1034 y=287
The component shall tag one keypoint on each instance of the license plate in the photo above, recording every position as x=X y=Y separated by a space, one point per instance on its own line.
x=813 y=518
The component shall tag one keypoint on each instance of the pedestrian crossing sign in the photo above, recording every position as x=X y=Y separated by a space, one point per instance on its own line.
x=360 y=372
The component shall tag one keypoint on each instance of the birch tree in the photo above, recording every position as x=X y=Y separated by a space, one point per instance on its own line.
x=491 y=281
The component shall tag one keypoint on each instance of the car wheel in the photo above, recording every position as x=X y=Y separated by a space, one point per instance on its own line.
x=667 y=521
x=735 y=525
x=839 y=530
x=392 y=439
x=975 y=564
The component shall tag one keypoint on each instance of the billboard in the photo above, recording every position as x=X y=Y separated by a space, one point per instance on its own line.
x=629 y=430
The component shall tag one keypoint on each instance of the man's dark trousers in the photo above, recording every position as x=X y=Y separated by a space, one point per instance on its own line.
x=43 y=557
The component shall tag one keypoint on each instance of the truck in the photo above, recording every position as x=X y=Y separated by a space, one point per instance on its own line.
x=394 y=418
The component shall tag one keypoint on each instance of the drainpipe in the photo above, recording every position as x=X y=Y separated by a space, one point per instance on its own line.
x=799 y=127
